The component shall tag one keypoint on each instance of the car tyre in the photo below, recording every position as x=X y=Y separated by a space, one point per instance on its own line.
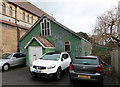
x=5 y=67
x=58 y=74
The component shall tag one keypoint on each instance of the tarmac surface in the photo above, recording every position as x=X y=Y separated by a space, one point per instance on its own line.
x=20 y=77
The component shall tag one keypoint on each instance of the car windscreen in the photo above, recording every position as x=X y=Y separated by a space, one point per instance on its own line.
x=51 y=57
x=6 y=56
x=86 y=61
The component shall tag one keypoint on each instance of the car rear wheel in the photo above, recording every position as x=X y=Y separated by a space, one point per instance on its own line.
x=58 y=74
x=5 y=67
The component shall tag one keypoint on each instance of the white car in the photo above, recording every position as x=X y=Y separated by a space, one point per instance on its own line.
x=50 y=64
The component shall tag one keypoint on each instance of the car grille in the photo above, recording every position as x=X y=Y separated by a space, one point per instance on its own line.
x=39 y=67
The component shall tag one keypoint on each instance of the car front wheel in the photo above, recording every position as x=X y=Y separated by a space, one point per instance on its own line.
x=58 y=74
x=5 y=67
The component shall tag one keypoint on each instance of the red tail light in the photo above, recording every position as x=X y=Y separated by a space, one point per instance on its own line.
x=71 y=66
x=99 y=69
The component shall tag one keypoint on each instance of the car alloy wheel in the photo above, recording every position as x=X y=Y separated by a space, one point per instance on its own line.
x=58 y=74
x=6 y=67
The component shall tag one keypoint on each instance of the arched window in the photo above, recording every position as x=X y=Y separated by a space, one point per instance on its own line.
x=27 y=18
x=10 y=11
x=3 y=8
x=31 y=19
x=23 y=16
x=45 y=27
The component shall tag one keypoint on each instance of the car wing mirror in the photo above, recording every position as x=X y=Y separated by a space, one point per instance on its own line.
x=62 y=59
x=14 y=58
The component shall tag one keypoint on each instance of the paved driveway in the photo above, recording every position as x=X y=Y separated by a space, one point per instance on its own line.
x=21 y=76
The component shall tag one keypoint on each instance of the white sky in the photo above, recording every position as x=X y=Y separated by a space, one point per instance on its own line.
x=78 y=15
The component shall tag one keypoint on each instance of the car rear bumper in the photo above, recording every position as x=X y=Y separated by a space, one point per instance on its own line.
x=97 y=77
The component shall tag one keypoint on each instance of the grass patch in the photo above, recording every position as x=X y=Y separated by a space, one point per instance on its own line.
x=25 y=68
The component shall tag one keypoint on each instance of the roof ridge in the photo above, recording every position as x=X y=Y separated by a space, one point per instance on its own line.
x=56 y=23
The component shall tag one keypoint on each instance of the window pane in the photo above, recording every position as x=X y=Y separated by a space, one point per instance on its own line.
x=45 y=23
x=51 y=57
x=67 y=43
x=22 y=55
x=32 y=19
x=42 y=32
x=45 y=32
x=48 y=31
x=3 y=8
x=42 y=25
x=67 y=47
x=27 y=18
x=48 y=25
x=65 y=56
x=17 y=55
x=10 y=11
x=86 y=61
x=23 y=16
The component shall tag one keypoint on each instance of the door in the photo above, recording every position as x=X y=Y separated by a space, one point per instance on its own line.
x=16 y=60
x=34 y=53
x=64 y=61
x=22 y=59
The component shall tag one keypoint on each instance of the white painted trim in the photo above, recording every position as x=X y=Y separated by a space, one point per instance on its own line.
x=38 y=42
x=28 y=43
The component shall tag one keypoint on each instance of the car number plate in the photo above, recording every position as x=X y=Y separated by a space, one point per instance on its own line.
x=83 y=76
x=37 y=71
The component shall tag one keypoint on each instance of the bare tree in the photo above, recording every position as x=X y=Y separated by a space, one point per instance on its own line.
x=106 y=27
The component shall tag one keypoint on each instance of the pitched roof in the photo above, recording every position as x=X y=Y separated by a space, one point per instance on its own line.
x=24 y=4
x=69 y=30
x=45 y=43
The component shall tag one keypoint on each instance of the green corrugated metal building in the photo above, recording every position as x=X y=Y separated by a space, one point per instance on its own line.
x=49 y=35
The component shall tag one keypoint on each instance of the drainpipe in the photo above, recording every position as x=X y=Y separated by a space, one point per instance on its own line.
x=18 y=31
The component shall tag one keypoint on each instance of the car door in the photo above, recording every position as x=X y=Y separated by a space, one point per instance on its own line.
x=67 y=60
x=18 y=59
x=22 y=59
x=64 y=61
x=15 y=59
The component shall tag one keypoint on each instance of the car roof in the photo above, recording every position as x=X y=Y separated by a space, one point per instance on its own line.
x=57 y=52
x=53 y=52
x=87 y=57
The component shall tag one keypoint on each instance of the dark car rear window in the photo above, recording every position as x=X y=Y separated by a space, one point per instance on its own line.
x=87 y=61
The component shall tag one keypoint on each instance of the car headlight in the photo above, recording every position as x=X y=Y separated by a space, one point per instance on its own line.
x=51 y=66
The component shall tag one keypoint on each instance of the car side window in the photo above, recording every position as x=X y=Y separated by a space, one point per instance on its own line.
x=22 y=55
x=65 y=56
x=17 y=55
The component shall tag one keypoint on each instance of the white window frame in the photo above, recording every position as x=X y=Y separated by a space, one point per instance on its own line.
x=47 y=21
x=69 y=43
